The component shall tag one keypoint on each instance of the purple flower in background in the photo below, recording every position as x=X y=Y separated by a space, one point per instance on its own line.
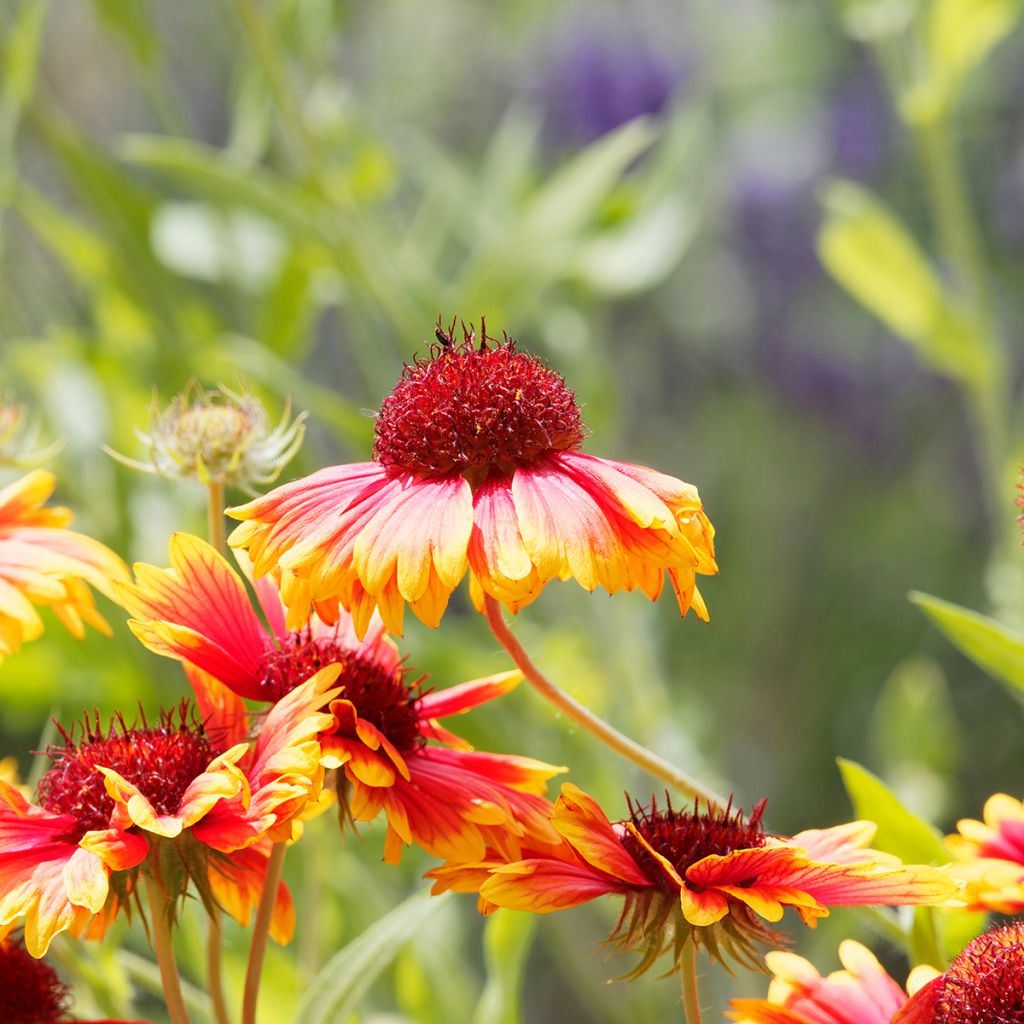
x=601 y=77
x=861 y=127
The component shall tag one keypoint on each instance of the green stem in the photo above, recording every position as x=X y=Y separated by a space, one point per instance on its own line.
x=691 y=991
x=611 y=737
x=164 y=948
x=260 y=933
x=214 y=949
x=215 y=515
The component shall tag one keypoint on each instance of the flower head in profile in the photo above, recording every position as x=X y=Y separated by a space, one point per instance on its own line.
x=172 y=798
x=218 y=437
x=20 y=441
x=712 y=877
x=383 y=731
x=31 y=992
x=476 y=467
x=44 y=564
x=991 y=856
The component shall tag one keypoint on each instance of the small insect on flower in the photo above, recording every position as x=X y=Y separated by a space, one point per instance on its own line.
x=218 y=437
x=711 y=877
x=476 y=467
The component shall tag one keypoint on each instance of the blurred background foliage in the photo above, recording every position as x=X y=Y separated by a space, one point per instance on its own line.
x=288 y=193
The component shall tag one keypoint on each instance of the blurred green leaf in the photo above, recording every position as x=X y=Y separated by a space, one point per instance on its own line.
x=871 y=254
x=958 y=928
x=925 y=940
x=20 y=62
x=900 y=831
x=507 y=942
x=960 y=34
x=337 y=989
x=130 y=21
x=873 y=20
x=993 y=647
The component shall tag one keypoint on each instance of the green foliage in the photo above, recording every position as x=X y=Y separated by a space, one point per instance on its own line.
x=507 y=940
x=993 y=647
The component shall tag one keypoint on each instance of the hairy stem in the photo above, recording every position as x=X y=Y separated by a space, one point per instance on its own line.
x=214 y=949
x=691 y=990
x=611 y=737
x=164 y=948
x=215 y=515
x=260 y=932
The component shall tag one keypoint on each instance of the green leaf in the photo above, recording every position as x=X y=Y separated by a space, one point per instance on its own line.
x=20 y=62
x=334 y=993
x=900 y=831
x=131 y=21
x=960 y=35
x=506 y=945
x=993 y=647
x=866 y=248
x=926 y=940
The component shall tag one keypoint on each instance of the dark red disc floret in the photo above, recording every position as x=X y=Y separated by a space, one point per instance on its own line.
x=473 y=406
x=382 y=697
x=162 y=760
x=685 y=837
x=985 y=982
x=30 y=991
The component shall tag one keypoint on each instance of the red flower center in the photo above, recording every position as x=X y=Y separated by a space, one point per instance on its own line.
x=381 y=697
x=30 y=991
x=986 y=981
x=161 y=760
x=685 y=837
x=471 y=407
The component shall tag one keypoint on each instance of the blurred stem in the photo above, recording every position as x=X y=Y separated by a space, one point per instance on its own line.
x=260 y=932
x=215 y=515
x=214 y=948
x=885 y=923
x=691 y=991
x=164 y=948
x=611 y=737
x=987 y=397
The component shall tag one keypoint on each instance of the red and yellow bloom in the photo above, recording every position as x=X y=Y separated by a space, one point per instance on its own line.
x=43 y=563
x=713 y=876
x=991 y=855
x=451 y=800
x=114 y=798
x=476 y=467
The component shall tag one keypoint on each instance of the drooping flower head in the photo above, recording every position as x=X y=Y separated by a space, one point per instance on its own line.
x=382 y=732
x=126 y=798
x=476 y=467
x=42 y=563
x=713 y=877
x=30 y=990
x=991 y=855
x=219 y=437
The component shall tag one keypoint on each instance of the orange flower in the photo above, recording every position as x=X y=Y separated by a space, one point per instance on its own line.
x=113 y=800
x=863 y=992
x=42 y=563
x=476 y=467
x=449 y=799
x=31 y=992
x=992 y=856
x=712 y=876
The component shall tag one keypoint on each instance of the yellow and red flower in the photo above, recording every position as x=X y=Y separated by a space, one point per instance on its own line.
x=114 y=799
x=32 y=993
x=476 y=467
x=43 y=563
x=991 y=855
x=863 y=992
x=713 y=876
x=446 y=797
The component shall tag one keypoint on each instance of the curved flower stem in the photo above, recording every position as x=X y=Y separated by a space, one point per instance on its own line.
x=691 y=993
x=215 y=515
x=164 y=948
x=611 y=737
x=214 y=948
x=260 y=931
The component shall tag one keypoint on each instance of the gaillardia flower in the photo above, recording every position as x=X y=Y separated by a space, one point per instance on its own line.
x=991 y=855
x=446 y=797
x=712 y=877
x=985 y=983
x=476 y=466
x=861 y=993
x=43 y=563
x=31 y=992
x=125 y=799
x=218 y=437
